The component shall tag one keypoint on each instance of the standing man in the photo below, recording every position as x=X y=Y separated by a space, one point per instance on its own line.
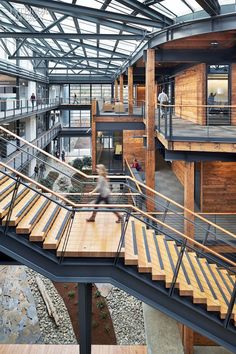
x=163 y=99
x=33 y=98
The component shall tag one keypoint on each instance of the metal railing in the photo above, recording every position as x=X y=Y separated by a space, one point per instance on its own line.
x=13 y=108
x=196 y=122
x=121 y=108
x=182 y=244
x=24 y=154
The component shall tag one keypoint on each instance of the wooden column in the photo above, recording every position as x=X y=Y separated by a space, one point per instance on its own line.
x=150 y=124
x=131 y=89
x=116 y=90
x=121 y=88
x=187 y=333
x=94 y=135
x=189 y=197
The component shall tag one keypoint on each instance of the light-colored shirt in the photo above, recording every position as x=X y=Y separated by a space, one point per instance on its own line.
x=162 y=97
x=103 y=187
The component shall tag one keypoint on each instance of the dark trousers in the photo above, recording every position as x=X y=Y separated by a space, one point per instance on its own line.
x=106 y=201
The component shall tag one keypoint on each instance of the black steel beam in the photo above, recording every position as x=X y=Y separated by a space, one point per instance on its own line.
x=146 y=11
x=192 y=156
x=85 y=317
x=86 y=79
x=58 y=35
x=195 y=55
x=74 y=57
x=125 y=277
x=212 y=7
x=74 y=10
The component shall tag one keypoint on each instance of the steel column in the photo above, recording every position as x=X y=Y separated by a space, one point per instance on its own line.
x=85 y=316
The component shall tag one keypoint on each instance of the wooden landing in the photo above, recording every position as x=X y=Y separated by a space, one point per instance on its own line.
x=92 y=239
x=69 y=349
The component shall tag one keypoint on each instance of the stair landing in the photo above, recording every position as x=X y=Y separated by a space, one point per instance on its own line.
x=92 y=239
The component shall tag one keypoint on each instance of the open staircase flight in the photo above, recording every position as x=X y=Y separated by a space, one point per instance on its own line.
x=209 y=285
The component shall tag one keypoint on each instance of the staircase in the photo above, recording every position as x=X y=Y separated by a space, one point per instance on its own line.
x=143 y=255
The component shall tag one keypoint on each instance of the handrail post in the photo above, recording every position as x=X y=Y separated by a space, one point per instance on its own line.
x=15 y=191
x=159 y=119
x=177 y=268
x=170 y=123
x=123 y=232
x=230 y=307
x=165 y=117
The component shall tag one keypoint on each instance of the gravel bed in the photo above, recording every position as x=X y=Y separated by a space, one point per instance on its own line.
x=127 y=316
x=50 y=333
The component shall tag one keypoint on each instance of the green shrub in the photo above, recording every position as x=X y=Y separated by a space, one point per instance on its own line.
x=78 y=164
x=71 y=294
x=103 y=315
x=97 y=293
x=100 y=304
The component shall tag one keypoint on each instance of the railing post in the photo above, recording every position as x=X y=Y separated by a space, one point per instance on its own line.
x=170 y=123
x=159 y=118
x=230 y=307
x=177 y=268
x=123 y=232
x=165 y=117
x=12 y=205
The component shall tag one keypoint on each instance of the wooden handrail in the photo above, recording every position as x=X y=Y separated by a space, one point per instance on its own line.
x=132 y=175
x=121 y=177
x=67 y=201
x=121 y=206
x=197 y=105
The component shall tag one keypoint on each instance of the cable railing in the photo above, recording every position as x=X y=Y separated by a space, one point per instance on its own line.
x=184 y=246
x=121 y=108
x=17 y=156
x=188 y=122
x=201 y=228
x=11 y=108
x=64 y=178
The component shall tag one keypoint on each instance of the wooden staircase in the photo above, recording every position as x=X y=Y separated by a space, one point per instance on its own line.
x=43 y=220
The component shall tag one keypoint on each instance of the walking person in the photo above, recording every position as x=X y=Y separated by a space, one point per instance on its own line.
x=42 y=169
x=163 y=99
x=33 y=99
x=75 y=99
x=63 y=155
x=104 y=191
x=36 y=172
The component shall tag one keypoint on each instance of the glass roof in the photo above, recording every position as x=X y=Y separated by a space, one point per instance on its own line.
x=109 y=31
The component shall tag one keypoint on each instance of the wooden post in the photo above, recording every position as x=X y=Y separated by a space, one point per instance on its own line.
x=189 y=198
x=116 y=90
x=187 y=333
x=94 y=135
x=150 y=124
x=131 y=89
x=121 y=88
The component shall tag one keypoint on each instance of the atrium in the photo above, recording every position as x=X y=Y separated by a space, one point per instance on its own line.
x=118 y=176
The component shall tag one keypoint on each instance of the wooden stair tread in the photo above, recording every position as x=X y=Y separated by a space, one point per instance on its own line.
x=6 y=187
x=213 y=303
x=29 y=220
x=42 y=227
x=6 y=202
x=130 y=245
x=144 y=257
x=158 y=272
x=57 y=230
x=22 y=208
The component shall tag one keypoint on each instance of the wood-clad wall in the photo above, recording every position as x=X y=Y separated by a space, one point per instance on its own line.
x=133 y=147
x=140 y=94
x=190 y=91
x=178 y=169
x=233 y=93
x=218 y=187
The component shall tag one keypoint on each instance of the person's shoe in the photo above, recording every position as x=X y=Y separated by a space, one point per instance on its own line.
x=90 y=220
x=118 y=221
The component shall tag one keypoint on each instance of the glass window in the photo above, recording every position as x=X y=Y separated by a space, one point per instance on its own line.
x=218 y=112
x=110 y=150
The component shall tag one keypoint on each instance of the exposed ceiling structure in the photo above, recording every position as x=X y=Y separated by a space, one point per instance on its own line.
x=97 y=39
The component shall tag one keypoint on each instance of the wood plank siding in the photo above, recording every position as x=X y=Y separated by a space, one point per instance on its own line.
x=190 y=90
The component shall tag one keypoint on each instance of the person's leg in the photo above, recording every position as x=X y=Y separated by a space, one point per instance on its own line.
x=94 y=213
x=106 y=200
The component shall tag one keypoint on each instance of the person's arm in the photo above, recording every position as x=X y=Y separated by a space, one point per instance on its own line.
x=97 y=186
